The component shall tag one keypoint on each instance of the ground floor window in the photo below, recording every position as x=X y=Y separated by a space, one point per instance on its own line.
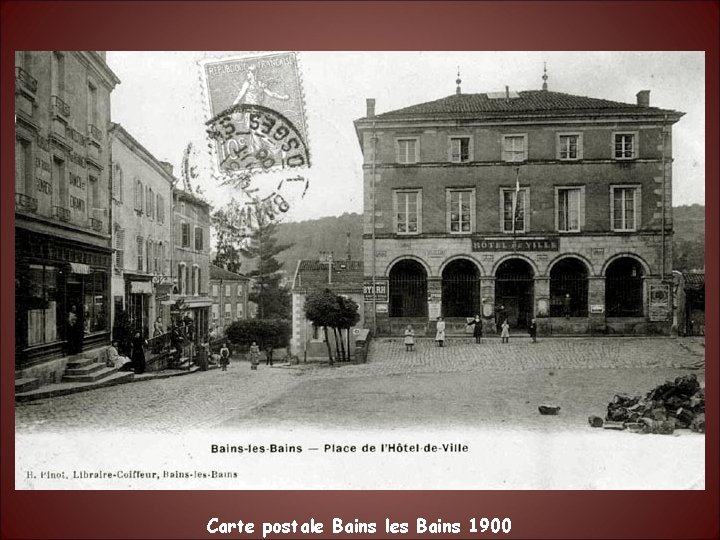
x=408 y=289
x=624 y=288
x=569 y=288
x=95 y=305
x=40 y=294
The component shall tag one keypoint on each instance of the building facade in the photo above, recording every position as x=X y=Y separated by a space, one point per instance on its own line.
x=229 y=295
x=142 y=232
x=62 y=207
x=519 y=205
x=342 y=278
x=191 y=261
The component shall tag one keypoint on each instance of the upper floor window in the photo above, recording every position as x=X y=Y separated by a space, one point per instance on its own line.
x=140 y=248
x=569 y=205
x=149 y=256
x=460 y=210
x=514 y=148
x=625 y=145
x=625 y=208
x=569 y=146
x=460 y=149
x=214 y=290
x=198 y=239
x=119 y=247
x=149 y=203
x=239 y=309
x=407 y=150
x=117 y=180
x=228 y=291
x=408 y=211
x=139 y=192
x=240 y=291
x=185 y=235
x=514 y=210
x=160 y=208
x=228 y=311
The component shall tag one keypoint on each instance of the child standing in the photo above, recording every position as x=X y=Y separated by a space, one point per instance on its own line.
x=409 y=338
x=224 y=357
x=505 y=334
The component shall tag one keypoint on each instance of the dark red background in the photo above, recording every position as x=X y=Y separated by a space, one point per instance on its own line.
x=359 y=26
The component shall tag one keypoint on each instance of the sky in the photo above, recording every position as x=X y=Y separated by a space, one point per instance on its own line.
x=161 y=103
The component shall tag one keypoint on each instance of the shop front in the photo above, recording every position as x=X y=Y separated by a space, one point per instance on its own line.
x=61 y=297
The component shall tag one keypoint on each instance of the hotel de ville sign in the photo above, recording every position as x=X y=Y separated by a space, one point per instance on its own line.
x=516 y=244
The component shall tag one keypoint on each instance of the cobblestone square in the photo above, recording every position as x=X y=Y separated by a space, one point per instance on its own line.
x=461 y=384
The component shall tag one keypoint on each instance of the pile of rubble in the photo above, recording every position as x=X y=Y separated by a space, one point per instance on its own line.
x=678 y=404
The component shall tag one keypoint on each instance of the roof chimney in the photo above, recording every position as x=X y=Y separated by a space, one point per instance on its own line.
x=370 y=107
x=507 y=92
x=643 y=98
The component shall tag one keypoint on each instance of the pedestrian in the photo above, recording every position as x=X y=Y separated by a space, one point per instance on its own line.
x=75 y=332
x=440 y=332
x=138 y=354
x=566 y=305
x=477 y=325
x=224 y=357
x=254 y=356
x=505 y=334
x=409 y=338
x=269 y=355
x=158 y=327
x=533 y=330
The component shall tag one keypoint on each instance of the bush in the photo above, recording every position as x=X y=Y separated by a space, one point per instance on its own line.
x=264 y=332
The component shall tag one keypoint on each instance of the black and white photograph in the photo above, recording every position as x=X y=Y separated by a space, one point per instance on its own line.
x=359 y=270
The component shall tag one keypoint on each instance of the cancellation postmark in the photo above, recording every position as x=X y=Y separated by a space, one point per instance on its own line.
x=257 y=114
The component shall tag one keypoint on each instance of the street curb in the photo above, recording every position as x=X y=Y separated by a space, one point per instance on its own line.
x=128 y=379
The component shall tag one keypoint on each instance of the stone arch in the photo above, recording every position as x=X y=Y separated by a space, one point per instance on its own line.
x=499 y=262
x=610 y=260
x=407 y=288
x=569 y=287
x=449 y=260
x=396 y=260
x=461 y=295
x=588 y=264
x=625 y=287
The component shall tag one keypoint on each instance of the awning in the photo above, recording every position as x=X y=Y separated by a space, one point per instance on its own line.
x=79 y=268
x=140 y=287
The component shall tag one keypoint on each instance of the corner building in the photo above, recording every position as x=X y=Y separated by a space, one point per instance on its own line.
x=519 y=205
x=62 y=207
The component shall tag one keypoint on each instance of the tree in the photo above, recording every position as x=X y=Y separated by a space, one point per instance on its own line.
x=348 y=317
x=321 y=308
x=249 y=231
x=228 y=254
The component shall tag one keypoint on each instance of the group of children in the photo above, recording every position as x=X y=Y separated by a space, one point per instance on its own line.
x=477 y=325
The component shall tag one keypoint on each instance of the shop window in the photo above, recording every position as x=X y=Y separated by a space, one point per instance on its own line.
x=95 y=307
x=42 y=302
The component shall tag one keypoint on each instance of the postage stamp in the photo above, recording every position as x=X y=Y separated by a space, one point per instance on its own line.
x=257 y=113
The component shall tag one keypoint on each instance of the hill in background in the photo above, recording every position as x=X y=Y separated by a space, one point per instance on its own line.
x=330 y=234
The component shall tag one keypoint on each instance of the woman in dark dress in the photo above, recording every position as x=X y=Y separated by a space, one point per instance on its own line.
x=138 y=354
x=477 y=328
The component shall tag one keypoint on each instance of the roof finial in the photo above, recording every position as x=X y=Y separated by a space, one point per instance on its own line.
x=458 y=81
x=545 y=76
